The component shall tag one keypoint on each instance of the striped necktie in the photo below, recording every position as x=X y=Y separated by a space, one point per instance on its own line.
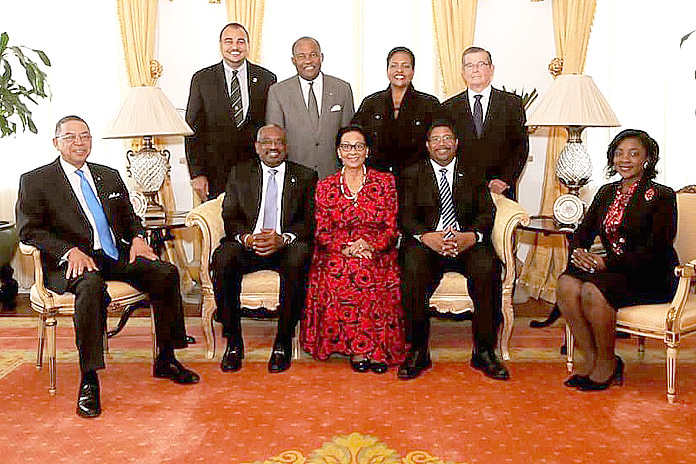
x=447 y=205
x=105 y=238
x=236 y=98
x=478 y=115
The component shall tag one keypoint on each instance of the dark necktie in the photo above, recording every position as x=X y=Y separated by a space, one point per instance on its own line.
x=236 y=98
x=446 y=202
x=478 y=114
x=312 y=106
x=270 y=209
x=107 y=242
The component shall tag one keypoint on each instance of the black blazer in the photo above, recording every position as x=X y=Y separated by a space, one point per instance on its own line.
x=397 y=143
x=419 y=201
x=217 y=142
x=502 y=150
x=49 y=215
x=649 y=226
x=240 y=209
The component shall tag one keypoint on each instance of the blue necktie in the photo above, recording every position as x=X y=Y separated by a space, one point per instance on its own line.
x=107 y=242
x=270 y=209
x=447 y=204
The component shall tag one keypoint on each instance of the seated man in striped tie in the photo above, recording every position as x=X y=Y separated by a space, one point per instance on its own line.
x=268 y=218
x=447 y=217
x=80 y=217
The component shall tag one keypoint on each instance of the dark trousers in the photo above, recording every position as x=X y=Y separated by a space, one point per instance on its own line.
x=422 y=270
x=157 y=278
x=229 y=264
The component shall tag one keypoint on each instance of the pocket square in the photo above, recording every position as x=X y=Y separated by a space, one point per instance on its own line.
x=114 y=195
x=336 y=108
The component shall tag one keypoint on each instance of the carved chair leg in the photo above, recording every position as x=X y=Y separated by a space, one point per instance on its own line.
x=207 y=324
x=641 y=348
x=41 y=340
x=153 y=335
x=51 y=336
x=671 y=374
x=570 y=347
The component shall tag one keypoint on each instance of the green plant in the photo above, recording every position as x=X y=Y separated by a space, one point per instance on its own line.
x=15 y=96
x=527 y=97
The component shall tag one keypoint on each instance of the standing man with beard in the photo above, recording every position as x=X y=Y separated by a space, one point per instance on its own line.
x=311 y=107
x=226 y=106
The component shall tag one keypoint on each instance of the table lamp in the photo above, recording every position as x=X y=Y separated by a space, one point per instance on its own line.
x=147 y=112
x=574 y=102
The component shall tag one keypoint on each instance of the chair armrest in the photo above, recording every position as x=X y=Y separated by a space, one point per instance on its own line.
x=35 y=254
x=508 y=215
x=208 y=218
x=686 y=273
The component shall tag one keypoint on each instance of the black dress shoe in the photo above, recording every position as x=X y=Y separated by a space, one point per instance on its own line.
x=575 y=380
x=280 y=358
x=361 y=365
x=616 y=378
x=232 y=358
x=88 y=402
x=379 y=367
x=487 y=362
x=416 y=362
x=174 y=370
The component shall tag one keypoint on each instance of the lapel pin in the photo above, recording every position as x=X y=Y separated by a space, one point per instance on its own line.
x=292 y=180
x=254 y=80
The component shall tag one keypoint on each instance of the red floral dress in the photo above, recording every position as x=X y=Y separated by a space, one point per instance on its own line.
x=353 y=304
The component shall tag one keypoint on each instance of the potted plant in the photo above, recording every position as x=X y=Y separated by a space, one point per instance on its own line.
x=14 y=115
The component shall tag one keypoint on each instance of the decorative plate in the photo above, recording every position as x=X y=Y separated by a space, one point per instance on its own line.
x=568 y=209
x=139 y=203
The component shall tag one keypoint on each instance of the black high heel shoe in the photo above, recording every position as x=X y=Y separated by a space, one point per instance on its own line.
x=575 y=380
x=617 y=378
x=362 y=365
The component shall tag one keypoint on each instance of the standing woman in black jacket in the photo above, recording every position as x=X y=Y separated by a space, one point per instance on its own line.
x=636 y=220
x=397 y=119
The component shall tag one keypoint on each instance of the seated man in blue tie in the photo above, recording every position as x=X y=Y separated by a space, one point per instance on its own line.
x=80 y=217
x=268 y=218
x=447 y=217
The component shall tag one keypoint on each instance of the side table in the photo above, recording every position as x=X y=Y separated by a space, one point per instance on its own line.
x=157 y=232
x=545 y=225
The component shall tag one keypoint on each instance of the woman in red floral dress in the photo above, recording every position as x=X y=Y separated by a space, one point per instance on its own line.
x=354 y=298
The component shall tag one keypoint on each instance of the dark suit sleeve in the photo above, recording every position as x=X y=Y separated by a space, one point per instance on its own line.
x=31 y=219
x=303 y=225
x=484 y=212
x=585 y=234
x=412 y=223
x=232 y=213
x=518 y=142
x=195 y=117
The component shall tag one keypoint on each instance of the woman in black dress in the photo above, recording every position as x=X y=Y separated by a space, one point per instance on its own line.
x=397 y=119
x=636 y=220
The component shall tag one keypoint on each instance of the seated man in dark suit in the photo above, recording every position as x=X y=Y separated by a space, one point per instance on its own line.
x=447 y=218
x=79 y=215
x=268 y=218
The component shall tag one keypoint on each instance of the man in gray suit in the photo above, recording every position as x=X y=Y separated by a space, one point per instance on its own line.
x=311 y=107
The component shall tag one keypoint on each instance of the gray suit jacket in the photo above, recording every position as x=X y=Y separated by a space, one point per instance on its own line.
x=309 y=146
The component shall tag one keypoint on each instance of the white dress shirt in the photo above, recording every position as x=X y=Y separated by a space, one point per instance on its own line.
x=318 y=90
x=485 y=100
x=242 y=75
x=280 y=182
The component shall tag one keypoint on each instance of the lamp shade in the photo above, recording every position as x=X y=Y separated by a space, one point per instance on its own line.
x=573 y=100
x=146 y=112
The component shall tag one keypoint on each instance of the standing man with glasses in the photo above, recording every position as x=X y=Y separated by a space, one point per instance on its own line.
x=268 y=219
x=226 y=106
x=311 y=106
x=490 y=124
x=447 y=218
x=79 y=216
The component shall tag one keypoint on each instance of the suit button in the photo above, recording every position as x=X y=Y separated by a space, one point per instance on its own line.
x=316 y=144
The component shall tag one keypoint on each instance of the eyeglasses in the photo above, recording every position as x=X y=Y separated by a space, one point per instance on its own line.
x=480 y=64
x=444 y=138
x=72 y=138
x=358 y=146
x=269 y=142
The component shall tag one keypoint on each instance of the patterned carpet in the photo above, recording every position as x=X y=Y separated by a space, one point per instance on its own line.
x=325 y=413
